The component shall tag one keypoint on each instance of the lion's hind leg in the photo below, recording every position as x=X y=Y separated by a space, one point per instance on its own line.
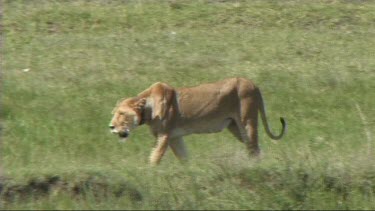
x=233 y=128
x=247 y=133
x=248 y=124
x=252 y=143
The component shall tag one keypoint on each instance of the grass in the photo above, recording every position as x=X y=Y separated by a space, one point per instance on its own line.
x=313 y=60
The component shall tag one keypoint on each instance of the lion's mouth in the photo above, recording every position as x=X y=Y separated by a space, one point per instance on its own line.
x=124 y=134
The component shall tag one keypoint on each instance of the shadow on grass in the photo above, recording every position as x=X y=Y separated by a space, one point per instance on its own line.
x=89 y=184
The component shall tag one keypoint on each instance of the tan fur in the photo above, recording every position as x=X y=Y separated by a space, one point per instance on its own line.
x=173 y=113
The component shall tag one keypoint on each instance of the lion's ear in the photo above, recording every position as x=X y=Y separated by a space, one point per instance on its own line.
x=162 y=96
x=140 y=104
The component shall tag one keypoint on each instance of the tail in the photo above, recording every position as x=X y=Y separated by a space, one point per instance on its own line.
x=265 y=122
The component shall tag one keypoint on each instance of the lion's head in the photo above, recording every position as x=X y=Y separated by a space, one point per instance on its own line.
x=127 y=115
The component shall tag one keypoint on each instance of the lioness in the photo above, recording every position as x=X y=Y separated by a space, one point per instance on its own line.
x=173 y=113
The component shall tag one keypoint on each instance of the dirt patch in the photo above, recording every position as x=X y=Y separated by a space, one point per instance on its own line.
x=96 y=186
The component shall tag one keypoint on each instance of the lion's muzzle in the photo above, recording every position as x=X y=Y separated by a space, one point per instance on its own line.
x=122 y=134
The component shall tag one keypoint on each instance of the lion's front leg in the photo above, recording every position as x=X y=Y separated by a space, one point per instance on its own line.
x=178 y=147
x=158 y=152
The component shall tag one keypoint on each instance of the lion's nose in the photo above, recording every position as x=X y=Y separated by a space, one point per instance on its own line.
x=124 y=134
x=111 y=127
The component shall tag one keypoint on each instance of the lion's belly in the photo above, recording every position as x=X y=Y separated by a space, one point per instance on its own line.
x=201 y=127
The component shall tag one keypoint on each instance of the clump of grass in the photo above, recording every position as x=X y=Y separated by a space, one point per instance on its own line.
x=323 y=186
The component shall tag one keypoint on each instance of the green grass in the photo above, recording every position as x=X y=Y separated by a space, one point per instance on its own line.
x=313 y=60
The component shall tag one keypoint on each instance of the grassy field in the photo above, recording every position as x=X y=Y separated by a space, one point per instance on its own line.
x=66 y=63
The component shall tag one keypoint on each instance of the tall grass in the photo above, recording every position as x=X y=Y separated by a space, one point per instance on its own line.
x=65 y=64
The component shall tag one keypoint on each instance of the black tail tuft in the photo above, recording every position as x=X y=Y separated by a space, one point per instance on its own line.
x=282 y=120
